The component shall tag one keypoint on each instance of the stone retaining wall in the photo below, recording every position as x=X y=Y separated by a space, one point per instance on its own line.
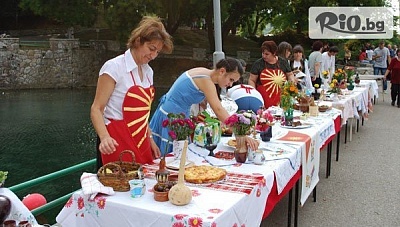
x=66 y=63
x=63 y=65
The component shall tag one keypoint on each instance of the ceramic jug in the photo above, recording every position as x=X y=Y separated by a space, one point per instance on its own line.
x=259 y=157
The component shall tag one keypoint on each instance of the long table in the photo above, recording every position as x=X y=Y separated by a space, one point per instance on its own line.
x=247 y=195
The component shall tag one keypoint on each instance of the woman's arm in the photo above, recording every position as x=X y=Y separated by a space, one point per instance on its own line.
x=253 y=80
x=208 y=88
x=105 y=87
x=154 y=148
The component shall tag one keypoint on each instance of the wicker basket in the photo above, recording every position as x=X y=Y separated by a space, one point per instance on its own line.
x=118 y=174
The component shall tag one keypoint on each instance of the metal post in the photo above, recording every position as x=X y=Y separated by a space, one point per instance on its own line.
x=218 y=54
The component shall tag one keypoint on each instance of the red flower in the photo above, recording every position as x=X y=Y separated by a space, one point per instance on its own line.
x=213 y=224
x=180 y=126
x=172 y=134
x=165 y=123
x=101 y=203
x=195 y=221
x=81 y=203
x=178 y=224
x=180 y=216
x=69 y=202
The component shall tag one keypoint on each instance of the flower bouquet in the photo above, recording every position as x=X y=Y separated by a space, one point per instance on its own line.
x=325 y=74
x=334 y=87
x=180 y=128
x=289 y=93
x=264 y=119
x=288 y=96
x=241 y=122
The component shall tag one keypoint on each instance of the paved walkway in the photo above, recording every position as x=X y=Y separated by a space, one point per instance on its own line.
x=364 y=186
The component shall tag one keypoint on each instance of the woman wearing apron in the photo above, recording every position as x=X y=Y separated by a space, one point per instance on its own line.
x=268 y=74
x=121 y=107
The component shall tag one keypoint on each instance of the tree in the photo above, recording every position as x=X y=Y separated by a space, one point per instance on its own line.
x=71 y=12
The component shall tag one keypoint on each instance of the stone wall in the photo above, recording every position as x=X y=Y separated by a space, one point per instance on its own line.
x=63 y=64
x=69 y=63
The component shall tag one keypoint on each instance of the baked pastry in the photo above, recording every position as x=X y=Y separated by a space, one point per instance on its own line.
x=296 y=123
x=232 y=142
x=204 y=174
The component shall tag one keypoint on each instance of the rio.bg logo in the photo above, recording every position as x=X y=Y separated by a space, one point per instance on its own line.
x=350 y=23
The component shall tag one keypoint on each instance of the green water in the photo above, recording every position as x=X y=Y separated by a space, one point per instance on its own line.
x=43 y=131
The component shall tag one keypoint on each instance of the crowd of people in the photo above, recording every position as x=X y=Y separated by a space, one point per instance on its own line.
x=120 y=111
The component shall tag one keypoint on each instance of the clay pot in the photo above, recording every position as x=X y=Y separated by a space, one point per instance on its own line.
x=160 y=196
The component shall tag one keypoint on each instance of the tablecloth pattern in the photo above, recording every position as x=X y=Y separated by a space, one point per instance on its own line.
x=18 y=212
x=238 y=200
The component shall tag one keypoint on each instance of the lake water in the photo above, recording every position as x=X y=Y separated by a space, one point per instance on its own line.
x=43 y=131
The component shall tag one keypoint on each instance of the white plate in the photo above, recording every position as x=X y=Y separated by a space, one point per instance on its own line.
x=227 y=145
x=174 y=164
x=296 y=127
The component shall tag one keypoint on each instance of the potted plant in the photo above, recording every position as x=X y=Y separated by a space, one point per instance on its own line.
x=3 y=177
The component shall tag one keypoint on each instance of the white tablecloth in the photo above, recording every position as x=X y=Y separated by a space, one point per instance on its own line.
x=19 y=212
x=239 y=200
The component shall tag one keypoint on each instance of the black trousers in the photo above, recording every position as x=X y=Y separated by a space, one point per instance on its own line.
x=395 y=93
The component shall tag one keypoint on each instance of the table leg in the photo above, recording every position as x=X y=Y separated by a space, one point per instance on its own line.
x=337 y=145
x=345 y=132
x=351 y=129
x=358 y=124
x=362 y=120
x=314 y=193
x=289 y=221
x=328 y=159
x=296 y=204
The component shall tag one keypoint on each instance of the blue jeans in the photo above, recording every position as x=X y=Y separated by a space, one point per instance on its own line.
x=382 y=71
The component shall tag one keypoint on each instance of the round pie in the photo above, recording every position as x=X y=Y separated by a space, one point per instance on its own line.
x=204 y=174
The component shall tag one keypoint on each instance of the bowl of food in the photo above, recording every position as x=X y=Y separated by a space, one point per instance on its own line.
x=323 y=108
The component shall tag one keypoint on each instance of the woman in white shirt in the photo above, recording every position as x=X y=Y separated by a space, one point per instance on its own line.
x=125 y=91
x=300 y=68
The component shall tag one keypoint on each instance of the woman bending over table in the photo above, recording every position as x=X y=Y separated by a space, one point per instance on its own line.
x=192 y=87
x=121 y=107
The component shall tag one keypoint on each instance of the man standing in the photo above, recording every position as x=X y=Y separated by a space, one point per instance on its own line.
x=381 y=57
x=315 y=60
x=328 y=61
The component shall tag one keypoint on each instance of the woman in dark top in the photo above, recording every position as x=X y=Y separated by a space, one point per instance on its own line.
x=394 y=69
x=269 y=73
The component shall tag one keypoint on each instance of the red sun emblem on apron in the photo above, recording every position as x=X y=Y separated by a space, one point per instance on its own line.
x=131 y=132
x=270 y=87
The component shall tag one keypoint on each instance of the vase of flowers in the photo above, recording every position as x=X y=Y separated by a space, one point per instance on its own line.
x=288 y=95
x=180 y=128
x=241 y=123
x=334 y=89
x=264 y=119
